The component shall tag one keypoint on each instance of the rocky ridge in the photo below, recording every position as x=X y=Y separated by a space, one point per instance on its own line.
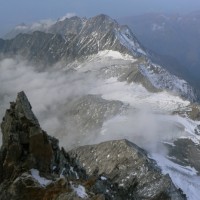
x=77 y=39
x=33 y=166
x=72 y=39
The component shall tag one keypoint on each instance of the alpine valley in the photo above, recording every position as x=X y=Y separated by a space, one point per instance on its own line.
x=129 y=128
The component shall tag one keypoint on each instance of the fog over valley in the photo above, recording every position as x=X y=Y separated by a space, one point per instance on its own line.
x=54 y=91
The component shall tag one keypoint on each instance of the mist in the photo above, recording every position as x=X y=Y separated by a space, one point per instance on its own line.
x=149 y=130
x=146 y=129
x=47 y=91
x=50 y=92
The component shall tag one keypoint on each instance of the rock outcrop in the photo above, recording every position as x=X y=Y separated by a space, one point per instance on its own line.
x=32 y=166
x=25 y=144
x=127 y=165
x=31 y=163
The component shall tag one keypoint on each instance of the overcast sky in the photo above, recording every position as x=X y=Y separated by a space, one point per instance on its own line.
x=13 y=12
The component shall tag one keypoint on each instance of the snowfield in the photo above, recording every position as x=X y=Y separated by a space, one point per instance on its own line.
x=183 y=177
x=138 y=97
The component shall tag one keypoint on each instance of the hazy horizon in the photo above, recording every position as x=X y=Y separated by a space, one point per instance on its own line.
x=23 y=11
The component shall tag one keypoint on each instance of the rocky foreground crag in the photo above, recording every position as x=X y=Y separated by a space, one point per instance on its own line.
x=32 y=166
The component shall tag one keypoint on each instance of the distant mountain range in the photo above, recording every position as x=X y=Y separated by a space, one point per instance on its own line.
x=174 y=37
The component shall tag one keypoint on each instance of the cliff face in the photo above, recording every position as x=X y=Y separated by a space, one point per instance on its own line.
x=25 y=144
x=27 y=151
x=33 y=166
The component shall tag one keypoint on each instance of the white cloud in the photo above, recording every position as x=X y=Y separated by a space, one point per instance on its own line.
x=67 y=15
x=47 y=91
x=52 y=91
x=42 y=25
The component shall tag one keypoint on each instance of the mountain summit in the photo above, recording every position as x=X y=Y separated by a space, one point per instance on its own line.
x=76 y=39
x=80 y=37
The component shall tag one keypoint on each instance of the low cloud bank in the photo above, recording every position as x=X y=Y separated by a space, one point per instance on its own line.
x=49 y=92
x=144 y=128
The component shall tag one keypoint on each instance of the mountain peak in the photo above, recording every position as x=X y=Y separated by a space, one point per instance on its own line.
x=103 y=17
x=24 y=107
x=24 y=141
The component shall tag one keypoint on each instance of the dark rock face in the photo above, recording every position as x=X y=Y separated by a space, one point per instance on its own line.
x=33 y=166
x=26 y=147
x=24 y=143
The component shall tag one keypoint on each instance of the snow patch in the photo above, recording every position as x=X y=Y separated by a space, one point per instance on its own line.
x=115 y=55
x=80 y=191
x=74 y=172
x=62 y=173
x=103 y=178
x=43 y=181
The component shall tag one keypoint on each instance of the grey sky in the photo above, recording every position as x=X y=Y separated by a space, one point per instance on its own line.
x=13 y=12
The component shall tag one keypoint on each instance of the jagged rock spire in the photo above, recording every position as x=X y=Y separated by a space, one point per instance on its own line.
x=25 y=144
x=23 y=106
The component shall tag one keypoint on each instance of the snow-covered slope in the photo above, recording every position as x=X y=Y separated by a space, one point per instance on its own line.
x=127 y=39
x=116 y=64
x=162 y=79
x=183 y=177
